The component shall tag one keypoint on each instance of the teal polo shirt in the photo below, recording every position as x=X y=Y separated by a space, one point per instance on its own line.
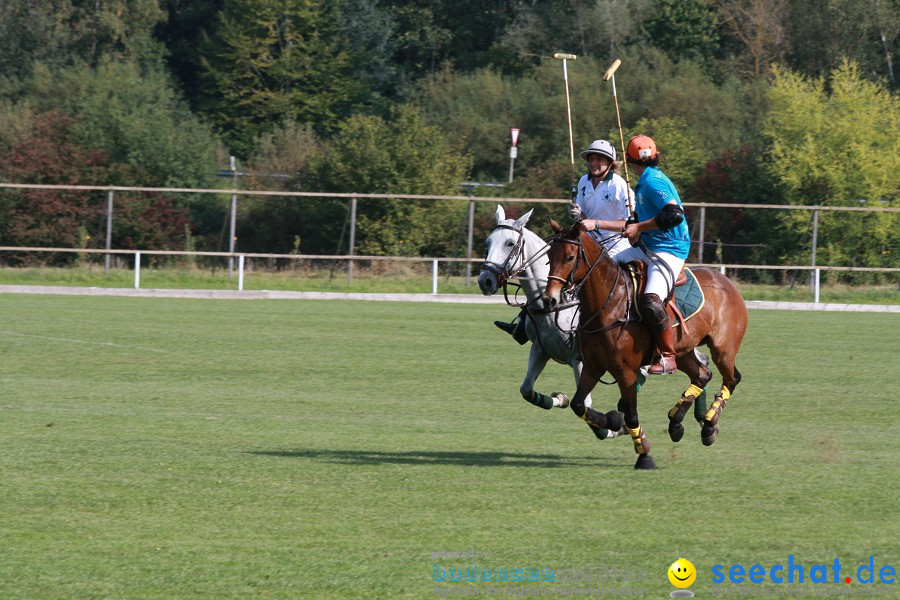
x=653 y=191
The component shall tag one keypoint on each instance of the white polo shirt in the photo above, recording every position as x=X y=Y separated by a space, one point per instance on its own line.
x=607 y=202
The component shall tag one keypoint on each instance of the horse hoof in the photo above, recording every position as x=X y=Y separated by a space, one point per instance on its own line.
x=645 y=463
x=709 y=434
x=676 y=431
x=614 y=421
x=563 y=399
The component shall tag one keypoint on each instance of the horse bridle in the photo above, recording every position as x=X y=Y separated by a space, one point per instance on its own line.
x=569 y=281
x=517 y=253
x=571 y=288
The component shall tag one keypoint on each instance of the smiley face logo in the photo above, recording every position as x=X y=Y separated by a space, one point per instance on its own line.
x=682 y=573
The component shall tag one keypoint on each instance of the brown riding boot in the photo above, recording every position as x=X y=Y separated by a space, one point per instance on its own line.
x=665 y=363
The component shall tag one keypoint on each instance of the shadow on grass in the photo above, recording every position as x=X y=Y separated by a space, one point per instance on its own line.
x=462 y=458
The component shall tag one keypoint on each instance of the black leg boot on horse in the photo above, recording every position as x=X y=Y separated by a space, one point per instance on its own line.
x=654 y=313
x=515 y=328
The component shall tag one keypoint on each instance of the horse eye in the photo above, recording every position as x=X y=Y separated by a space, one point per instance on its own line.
x=569 y=259
x=510 y=243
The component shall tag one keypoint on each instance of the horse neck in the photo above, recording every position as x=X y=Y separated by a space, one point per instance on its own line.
x=535 y=275
x=603 y=278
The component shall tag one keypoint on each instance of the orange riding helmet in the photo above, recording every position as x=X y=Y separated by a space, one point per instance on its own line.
x=642 y=150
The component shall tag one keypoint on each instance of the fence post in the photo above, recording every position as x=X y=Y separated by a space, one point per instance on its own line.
x=137 y=270
x=233 y=219
x=815 y=237
x=241 y=273
x=352 y=247
x=434 y=276
x=817 y=285
x=702 y=230
x=469 y=241
x=109 y=216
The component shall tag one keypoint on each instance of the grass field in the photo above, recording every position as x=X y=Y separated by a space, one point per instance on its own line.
x=165 y=448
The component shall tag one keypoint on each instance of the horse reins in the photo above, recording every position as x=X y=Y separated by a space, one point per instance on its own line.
x=503 y=272
x=569 y=282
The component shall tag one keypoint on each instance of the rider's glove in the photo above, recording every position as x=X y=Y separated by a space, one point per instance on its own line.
x=574 y=212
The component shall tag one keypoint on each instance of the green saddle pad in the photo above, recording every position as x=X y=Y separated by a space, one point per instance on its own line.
x=689 y=297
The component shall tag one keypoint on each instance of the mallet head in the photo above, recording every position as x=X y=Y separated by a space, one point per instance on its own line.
x=611 y=70
x=564 y=56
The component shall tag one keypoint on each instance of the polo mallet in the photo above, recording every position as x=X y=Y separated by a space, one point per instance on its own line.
x=611 y=74
x=564 y=57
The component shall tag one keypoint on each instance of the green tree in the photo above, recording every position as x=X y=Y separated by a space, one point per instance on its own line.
x=837 y=148
x=480 y=107
x=70 y=32
x=131 y=123
x=272 y=60
x=50 y=153
x=400 y=155
x=281 y=162
x=685 y=30
x=133 y=116
x=187 y=24
x=756 y=31
x=370 y=33
x=823 y=33
x=683 y=156
x=587 y=28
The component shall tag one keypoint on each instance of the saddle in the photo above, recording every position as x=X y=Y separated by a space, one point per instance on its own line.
x=638 y=271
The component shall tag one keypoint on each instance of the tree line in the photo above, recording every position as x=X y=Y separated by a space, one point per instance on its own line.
x=750 y=101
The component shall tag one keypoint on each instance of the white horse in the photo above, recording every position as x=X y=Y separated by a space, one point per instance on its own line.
x=516 y=252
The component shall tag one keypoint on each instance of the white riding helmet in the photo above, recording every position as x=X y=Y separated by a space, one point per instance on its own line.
x=601 y=147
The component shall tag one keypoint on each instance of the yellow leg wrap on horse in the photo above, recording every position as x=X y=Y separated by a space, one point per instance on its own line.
x=725 y=393
x=637 y=436
x=693 y=391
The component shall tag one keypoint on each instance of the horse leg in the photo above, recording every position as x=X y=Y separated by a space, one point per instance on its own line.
x=628 y=405
x=602 y=433
x=724 y=361
x=691 y=365
x=595 y=420
x=537 y=360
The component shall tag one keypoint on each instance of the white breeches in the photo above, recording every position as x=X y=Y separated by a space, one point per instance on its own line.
x=660 y=280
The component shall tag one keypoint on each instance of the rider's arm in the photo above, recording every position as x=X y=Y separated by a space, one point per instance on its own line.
x=670 y=216
x=592 y=224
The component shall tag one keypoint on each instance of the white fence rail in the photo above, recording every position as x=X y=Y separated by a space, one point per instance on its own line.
x=435 y=262
x=354 y=197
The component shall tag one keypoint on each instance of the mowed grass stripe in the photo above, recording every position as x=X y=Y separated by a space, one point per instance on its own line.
x=313 y=449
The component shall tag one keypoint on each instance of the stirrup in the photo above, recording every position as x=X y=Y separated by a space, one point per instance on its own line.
x=659 y=368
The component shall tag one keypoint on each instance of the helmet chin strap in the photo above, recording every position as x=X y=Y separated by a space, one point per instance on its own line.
x=605 y=173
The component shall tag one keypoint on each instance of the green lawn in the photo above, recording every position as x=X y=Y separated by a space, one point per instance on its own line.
x=166 y=448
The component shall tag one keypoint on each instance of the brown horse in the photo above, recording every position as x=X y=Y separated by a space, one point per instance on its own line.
x=612 y=341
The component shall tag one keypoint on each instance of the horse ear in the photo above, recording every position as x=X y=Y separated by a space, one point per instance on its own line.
x=500 y=215
x=524 y=218
x=554 y=225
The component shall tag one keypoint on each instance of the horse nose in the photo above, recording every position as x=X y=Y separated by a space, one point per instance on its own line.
x=549 y=302
x=486 y=283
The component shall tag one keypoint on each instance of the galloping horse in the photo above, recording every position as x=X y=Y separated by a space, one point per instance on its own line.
x=515 y=252
x=611 y=341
